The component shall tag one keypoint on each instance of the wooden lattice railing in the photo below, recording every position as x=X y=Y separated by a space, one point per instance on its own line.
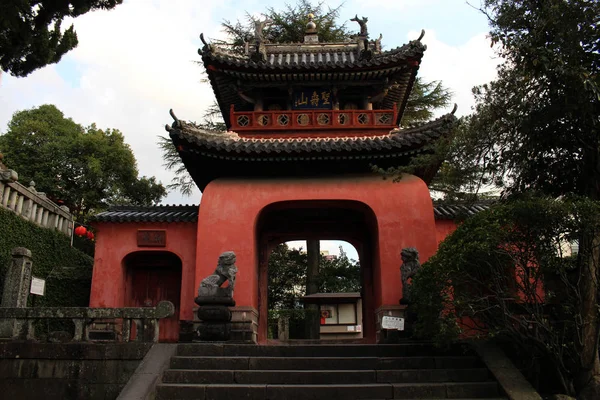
x=313 y=119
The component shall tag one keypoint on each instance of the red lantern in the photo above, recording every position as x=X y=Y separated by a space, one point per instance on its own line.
x=90 y=235
x=80 y=231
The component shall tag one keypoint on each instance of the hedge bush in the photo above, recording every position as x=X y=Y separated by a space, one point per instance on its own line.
x=67 y=271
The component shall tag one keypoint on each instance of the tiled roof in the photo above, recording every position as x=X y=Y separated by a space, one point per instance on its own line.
x=321 y=56
x=323 y=63
x=166 y=213
x=454 y=211
x=231 y=146
x=189 y=213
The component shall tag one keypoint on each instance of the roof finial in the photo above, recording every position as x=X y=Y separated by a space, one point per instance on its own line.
x=311 y=35
x=363 y=25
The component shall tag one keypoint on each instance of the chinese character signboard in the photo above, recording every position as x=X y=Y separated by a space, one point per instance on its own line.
x=312 y=98
x=150 y=238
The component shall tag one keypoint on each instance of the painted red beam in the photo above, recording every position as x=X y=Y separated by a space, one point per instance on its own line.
x=312 y=119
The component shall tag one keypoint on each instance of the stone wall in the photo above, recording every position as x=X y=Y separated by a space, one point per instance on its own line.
x=67 y=370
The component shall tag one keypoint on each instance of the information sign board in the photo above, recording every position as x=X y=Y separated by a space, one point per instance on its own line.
x=38 y=286
x=392 y=323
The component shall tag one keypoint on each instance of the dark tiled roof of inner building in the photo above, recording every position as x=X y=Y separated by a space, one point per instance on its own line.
x=458 y=210
x=166 y=213
x=189 y=213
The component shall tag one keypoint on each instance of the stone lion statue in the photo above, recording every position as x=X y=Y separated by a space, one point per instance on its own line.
x=408 y=270
x=225 y=271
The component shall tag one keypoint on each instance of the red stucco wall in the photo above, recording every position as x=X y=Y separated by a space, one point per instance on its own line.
x=230 y=209
x=443 y=228
x=114 y=241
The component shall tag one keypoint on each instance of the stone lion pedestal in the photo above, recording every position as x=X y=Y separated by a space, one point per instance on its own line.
x=214 y=301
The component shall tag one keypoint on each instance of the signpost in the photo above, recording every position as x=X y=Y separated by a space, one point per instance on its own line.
x=38 y=286
x=396 y=323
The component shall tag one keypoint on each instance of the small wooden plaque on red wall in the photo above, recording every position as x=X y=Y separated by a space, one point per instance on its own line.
x=151 y=238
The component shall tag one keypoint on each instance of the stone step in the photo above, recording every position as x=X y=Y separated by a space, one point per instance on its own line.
x=340 y=350
x=323 y=363
x=325 y=376
x=480 y=390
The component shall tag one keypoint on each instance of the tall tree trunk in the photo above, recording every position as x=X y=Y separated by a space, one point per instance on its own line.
x=587 y=380
x=313 y=252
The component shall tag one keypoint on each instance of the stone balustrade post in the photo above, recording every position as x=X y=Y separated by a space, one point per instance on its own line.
x=12 y=202
x=20 y=202
x=18 y=279
x=16 y=287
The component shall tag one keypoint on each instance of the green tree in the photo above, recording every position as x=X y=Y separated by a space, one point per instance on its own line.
x=85 y=168
x=31 y=35
x=289 y=26
x=287 y=276
x=339 y=274
x=510 y=273
x=536 y=127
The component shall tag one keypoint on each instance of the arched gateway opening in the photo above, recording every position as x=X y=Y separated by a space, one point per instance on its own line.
x=150 y=277
x=351 y=221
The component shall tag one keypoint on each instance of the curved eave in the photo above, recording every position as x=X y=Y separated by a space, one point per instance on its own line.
x=209 y=155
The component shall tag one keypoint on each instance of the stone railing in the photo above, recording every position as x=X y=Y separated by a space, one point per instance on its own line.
x=31 y=204
x=91 y=324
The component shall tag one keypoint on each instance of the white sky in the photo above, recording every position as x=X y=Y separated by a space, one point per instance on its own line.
x=139 y=60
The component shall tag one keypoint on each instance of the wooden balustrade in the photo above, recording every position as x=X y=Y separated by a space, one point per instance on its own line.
x=34 y=206
x=21 y=321
x=312 y=119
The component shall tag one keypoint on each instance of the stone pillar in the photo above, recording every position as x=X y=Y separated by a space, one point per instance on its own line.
x=18 y=279
x=16 y=286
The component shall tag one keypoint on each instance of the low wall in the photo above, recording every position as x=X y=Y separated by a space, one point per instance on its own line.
x=67 y=370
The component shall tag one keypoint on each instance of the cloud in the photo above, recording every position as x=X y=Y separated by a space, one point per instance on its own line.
x=133 y=64
x=460 y=68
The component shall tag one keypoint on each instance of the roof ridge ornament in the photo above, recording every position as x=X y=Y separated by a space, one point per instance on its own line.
x=207 y=45
x=311 y=35
x=421 y=35
x=176 y=121
x=364 y=33
x=260 y=54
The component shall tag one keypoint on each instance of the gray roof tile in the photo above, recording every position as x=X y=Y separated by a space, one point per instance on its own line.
x=189 y=213
x=166 y=213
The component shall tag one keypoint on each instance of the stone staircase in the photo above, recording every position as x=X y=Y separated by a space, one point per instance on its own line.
x=328 y=372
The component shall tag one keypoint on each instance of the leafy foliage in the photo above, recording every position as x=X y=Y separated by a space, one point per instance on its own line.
x=288 y=26
x=84 y=168
x=31 y=35
x=424 y=100
x=535 y=128
x=68 y=272
x=287 y=276
x=509 y=273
